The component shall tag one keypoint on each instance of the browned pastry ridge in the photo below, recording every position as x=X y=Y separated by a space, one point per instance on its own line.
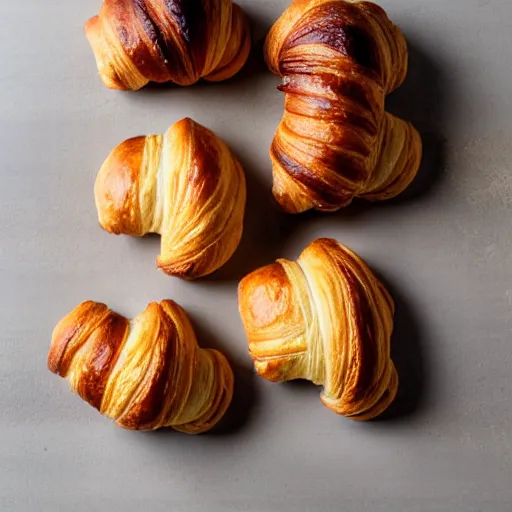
x=144 y=374
x=338 y=59
x=185 y=185
x=140 y=41
x=325 y=318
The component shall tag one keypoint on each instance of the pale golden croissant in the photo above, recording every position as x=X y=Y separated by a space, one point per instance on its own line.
x=185 y=185
x=338 y=59
x=325 y=318
x=145 y=373
x=140 y=41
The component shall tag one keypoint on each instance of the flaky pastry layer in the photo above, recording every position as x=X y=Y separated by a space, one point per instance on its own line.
x=324 y=318
x=338 y=60
x=144 y=374
x=140 y=41
x=185 y=185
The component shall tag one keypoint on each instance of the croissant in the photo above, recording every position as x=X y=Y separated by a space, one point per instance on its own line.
x=144 y=374
x=185 y=185
x=140 y=41
x=338 y=59
x=325 y=318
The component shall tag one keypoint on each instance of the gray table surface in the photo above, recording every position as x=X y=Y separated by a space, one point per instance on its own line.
x=444 y=249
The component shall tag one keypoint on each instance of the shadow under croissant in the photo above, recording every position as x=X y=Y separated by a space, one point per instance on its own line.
x=266 y=229
x=410 y=358
x=245 y=395
x=423 y=99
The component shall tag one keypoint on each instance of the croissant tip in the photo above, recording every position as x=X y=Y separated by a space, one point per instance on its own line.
x=90 y=23
x=288 y=206
x=186 y=273
x=187 y=123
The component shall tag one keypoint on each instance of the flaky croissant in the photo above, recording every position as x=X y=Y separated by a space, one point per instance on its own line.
x=325 y=318
x=338 y=59
x=144 y=374
x=140 y=41
x=185 y=185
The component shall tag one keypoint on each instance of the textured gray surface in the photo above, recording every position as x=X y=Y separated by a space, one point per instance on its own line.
x=444 y=250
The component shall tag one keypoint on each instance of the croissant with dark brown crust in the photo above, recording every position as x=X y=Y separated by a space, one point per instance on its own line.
x=338 y=59
x=144 y=374
x=140 y=41
x=185 y=185
x=325 y=318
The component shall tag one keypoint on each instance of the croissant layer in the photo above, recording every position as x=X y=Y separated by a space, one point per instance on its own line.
x=185 y=185
x=325 y=318
x=140 y=41
x=144 y=374
x=338 y=59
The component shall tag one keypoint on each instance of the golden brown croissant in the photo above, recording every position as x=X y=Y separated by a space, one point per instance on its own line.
x=325 y=318
x=144 y=374
x=185 y=185
x=338 y=59
x=140 y=41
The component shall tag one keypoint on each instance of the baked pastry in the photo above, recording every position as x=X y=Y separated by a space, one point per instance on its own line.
x=185 y=185
x=338 y=59
x=325 y=318
x=144 y=374
x=140 y=41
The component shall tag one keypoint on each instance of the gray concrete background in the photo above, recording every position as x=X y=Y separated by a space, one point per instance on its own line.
x=444 y=249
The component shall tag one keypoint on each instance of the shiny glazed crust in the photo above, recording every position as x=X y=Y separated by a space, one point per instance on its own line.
x=144 y=374
x=140 y=41
x=325 y=318
x=185 y=185
x=338 y=59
